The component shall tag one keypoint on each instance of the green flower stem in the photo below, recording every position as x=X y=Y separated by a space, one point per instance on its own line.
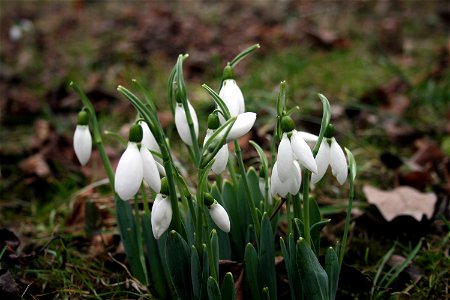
x=297 y=207
x=307 y=174
x=306 y=179
x=145 y=200
x=251 y=203
x=96 y=132
x=347 y=222
x=288 y=214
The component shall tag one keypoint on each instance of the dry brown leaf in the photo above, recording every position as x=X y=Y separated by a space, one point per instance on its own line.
x=402 y=200
x=35 y=165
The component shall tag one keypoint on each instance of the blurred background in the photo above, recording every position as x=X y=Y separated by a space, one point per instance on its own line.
x=384 y=66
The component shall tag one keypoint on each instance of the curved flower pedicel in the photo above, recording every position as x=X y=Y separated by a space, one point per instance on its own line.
x=134 y=166
x=330 y=154
x=82 y=140
x=181 y=123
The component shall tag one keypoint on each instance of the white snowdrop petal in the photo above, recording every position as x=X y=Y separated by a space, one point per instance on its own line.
x=308 y=137
x=209 y=133
x=148 y=140
x=194 y=119
x=129 y=172
x=161 y=215
x=285 y=159
x=232 y=96
x=274 y=181
x=244 y=122
x=151 y=174
x=322 y=161
x=296 y=180
x=220 y=216
x=182 y=124
x=82 y=143
x=278 y=187
x=302 y=152
x=161 y=169
x=221 y=160
x=338 y=162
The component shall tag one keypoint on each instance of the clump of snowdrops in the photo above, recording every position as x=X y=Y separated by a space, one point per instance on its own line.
x=175 y=245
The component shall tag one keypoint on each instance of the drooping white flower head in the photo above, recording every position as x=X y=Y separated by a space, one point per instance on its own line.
x=134 y=166
x=161 y=215
x=182 y=124
x=221 y=158
x=82 y=143
x=129 y=172
x=148 y=140
x=244 y=122
x=330 y=153
x=293 y=148
x=82 y=140
x=232 y=96
x=220 y=216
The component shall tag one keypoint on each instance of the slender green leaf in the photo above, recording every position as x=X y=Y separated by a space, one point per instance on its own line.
x=127 y=228
x=267 y=273
x=215 y=254
x=400 y=268
x=266 y=293
x=244 y=54
x=228 y=290
x=237 y=234
x=314 y=217
x=252 y=270
x=332 y=269
x=281 y=101
x=213 y=289
x=196 y=273
x=178 y=261
x=157 y=274
x=313 y=277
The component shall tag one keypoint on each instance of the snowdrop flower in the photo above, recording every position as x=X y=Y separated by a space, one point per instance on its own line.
x=218 y=214
x=231 y=94
x=134 y=166
x=161 y=212
x=182 y=124
x=291 y=185
x=82 y=140
x=293 y=148
x=330 y=153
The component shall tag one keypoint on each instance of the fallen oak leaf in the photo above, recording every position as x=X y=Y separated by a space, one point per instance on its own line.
x=402 y=200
